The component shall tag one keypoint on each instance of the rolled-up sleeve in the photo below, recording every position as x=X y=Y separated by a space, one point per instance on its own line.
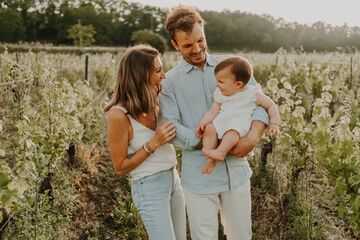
x=260 y=114
x=169 y=110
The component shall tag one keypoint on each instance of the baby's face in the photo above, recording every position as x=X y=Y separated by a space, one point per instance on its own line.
x=226 y=82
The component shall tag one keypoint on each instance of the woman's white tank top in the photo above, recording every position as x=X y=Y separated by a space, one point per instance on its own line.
x=162 y=159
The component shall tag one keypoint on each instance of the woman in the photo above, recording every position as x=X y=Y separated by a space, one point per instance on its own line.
x=139 y=146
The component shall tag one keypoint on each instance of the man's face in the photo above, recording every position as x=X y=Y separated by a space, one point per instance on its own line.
x=192 y=45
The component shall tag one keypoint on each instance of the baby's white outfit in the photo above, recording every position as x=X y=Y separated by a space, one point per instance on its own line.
x=236 y=110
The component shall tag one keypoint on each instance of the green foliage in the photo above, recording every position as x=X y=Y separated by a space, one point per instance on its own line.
x=116 y=21
x=151 y=38
x=44 y=127
x=12 y=26
x=82 y=35
x=36 y=48
x=49 y=109
x=312 y=174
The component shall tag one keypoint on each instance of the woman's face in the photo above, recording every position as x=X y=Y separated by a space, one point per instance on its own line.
x=158 y=73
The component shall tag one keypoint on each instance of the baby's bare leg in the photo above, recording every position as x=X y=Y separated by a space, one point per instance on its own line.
x=229 y=140
x=210 y=138
x=210 y=141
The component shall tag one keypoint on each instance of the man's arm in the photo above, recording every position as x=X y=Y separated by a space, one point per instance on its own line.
x=248 y=142
x=169 y=110
x=260 y=119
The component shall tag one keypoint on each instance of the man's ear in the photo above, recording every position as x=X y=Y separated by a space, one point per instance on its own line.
x=175 y=45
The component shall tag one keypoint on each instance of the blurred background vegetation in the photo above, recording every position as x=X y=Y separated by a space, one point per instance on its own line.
x=56 y=176
x=113 y=23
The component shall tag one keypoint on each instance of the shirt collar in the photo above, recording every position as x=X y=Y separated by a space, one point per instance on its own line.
x=210 y=61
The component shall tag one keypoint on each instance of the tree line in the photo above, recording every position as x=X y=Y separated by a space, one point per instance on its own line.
x=115 y=22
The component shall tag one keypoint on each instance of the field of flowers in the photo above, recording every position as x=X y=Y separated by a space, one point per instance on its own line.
x=56 y=178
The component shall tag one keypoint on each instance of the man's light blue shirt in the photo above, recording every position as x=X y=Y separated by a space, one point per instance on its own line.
x=186 y=96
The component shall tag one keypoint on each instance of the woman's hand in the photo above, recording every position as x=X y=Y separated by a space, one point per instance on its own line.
x=165 y=133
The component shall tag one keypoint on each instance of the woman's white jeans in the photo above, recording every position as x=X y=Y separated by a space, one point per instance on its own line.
x=235 y=212
x=160 y=202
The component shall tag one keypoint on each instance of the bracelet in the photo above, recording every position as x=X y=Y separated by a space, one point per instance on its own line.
x=274 y=123
x=147 y=148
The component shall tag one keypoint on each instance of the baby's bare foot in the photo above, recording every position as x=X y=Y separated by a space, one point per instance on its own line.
x=209 y=167
x=214 y=154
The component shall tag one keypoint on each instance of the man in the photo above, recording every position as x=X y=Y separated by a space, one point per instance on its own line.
x=186 y=96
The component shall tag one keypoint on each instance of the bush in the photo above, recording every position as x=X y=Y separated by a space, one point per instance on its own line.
x=12 y=26
x=82 y=35
x=147 y=36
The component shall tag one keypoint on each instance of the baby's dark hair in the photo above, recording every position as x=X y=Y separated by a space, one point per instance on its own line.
x=240 y=67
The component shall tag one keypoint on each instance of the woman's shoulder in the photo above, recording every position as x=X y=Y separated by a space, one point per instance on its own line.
x=117 y=113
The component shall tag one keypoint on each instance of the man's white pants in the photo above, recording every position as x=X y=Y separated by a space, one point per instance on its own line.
x=235 y=212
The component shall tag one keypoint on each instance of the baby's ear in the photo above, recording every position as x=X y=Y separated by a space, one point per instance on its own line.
x=239 y=84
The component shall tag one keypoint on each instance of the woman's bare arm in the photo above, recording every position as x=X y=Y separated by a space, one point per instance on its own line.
x=119 y=127
x=118 y=136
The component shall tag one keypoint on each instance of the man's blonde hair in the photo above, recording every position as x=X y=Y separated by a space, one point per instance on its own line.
x=182 y=18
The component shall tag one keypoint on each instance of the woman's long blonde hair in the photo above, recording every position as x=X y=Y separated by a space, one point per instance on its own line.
x=133 y=89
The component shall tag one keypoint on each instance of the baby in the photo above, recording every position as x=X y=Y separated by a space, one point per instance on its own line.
x=229 y=117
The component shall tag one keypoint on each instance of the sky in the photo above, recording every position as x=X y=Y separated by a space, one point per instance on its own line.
x=334 y=12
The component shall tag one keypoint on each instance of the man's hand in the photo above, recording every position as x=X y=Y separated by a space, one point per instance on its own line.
x=199 y=130
x=200 y=145
x=274 y=130
x=249 y=141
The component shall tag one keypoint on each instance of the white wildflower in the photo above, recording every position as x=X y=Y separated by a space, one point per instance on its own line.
x=344 y=109
x=327 y=97
x=326 y=88
x=282 y=93
x=356 y=132
x=343 y=133
x=289 y=102
x=299 y=111
x=272 y=85
x=283 y=79
x=324 y=113
x=307 y=130
x=318 y=103
x=1 y=126
x=287 y=86
x=284 y=109
x=298 y=102
x=31 y=9
x=345 y=119
x=29 y=143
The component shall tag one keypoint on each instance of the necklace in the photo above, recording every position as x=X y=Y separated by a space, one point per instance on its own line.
x=149 y=120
